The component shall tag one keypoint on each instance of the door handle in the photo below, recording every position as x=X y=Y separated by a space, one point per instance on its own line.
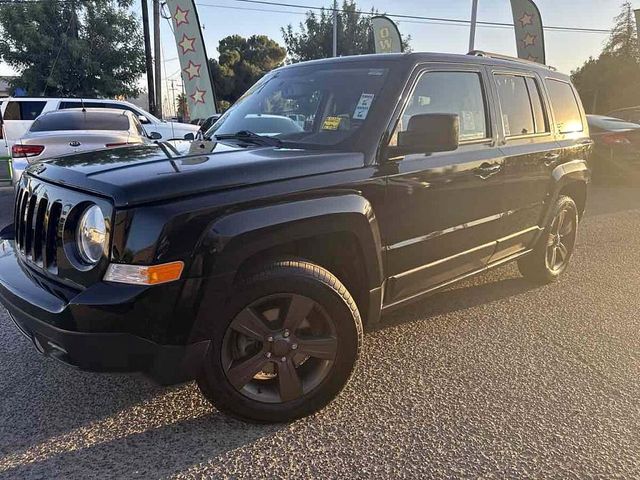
x=551 y=158
x=487 y=170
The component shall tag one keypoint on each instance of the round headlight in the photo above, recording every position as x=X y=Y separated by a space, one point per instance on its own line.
x=92 y=235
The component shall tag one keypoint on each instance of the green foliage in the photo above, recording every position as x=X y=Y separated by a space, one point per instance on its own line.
x=182 y=107
x=242 y=62
x=89 y=48
x=315 y=36
x=612 y=80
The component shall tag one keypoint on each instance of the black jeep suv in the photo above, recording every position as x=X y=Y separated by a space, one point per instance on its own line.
x=332 y=192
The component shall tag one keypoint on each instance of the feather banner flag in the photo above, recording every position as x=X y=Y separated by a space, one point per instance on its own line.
x=386 y=35
x=196 y=76
x=529 y=30
x=637 y=12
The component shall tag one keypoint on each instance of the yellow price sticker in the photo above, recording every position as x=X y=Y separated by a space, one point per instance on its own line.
x=331 y=123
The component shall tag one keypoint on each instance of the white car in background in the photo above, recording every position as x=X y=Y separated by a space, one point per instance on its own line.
x=65 y=132
x=18 y=113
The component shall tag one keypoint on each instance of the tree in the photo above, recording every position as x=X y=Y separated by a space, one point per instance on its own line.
x=612 y=80
x=182 y=107
x=242 y=62
x=89 y=48
x=315 y=36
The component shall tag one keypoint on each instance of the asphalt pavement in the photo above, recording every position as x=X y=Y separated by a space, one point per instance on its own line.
x=494 y=378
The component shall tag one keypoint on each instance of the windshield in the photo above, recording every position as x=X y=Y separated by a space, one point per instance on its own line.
x=324 y=105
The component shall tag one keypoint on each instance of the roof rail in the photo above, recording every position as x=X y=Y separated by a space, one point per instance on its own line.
x=499 y=56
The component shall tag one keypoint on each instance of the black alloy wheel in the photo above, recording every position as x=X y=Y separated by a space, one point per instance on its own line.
x=286 y=345
x=561 y=239
x=279 y=348
x=550 y=257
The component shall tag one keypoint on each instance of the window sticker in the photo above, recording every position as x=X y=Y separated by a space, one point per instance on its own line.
x=468 y=121
x=331 y=123
x=364 y=104
x=505 y=122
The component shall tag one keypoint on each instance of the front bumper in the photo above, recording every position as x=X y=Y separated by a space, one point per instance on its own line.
x=58 y=320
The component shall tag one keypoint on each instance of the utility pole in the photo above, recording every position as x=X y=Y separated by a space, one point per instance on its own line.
x=474 y=23
x=157 y=56
x=335 y=28
x=147 y=54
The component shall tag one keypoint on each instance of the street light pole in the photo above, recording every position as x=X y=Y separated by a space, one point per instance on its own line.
x=147 y=54
x=157 y=57
x=335 y=28
x=474 y=22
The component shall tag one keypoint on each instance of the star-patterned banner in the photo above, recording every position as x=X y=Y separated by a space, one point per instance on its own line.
x=196 y=77
x=529 y=30
x=637 y=12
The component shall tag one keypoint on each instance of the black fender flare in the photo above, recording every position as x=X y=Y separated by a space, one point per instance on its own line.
x=237 y=236
x=232 y=238
x=575 y=171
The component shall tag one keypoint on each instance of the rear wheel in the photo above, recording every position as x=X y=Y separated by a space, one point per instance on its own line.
x=286 y=346
x=551 y=255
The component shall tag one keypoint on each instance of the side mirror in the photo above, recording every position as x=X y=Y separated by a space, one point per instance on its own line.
x=429 y=133
x=154 y=136
x=190 y=137
x=144 y=120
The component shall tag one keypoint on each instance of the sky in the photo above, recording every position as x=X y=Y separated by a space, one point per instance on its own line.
x=565 y=50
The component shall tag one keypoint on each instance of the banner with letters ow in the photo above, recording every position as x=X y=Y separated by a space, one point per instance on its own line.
x=386 y=35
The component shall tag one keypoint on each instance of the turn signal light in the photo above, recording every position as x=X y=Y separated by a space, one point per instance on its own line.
x=144 y=275
x=114 y=145
x=24 y=151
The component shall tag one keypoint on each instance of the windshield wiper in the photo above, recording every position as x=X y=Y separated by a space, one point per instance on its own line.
x=247 y=136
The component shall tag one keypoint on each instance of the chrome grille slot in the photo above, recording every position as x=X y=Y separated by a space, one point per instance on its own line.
x=51 y=235
x=37 y=220
x=39 y=245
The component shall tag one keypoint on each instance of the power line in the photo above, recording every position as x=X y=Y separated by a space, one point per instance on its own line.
x=420 y=17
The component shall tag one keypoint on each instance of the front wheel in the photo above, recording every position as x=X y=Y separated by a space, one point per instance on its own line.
x=286 y=346
x=550 y=257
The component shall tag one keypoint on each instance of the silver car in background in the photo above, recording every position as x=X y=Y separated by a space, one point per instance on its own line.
x=66 y=132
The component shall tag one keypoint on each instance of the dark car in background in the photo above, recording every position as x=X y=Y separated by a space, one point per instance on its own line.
x=630 y=114
x=616 y=149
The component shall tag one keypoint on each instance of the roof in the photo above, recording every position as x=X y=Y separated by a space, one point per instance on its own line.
x=476 y=58
x=109 y=111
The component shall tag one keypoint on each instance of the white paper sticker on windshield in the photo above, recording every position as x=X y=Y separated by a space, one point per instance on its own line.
x=364 y=104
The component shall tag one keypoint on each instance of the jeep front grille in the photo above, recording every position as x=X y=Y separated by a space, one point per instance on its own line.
x=37 y=219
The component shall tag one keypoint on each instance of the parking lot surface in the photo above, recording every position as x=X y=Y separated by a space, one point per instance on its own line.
x=495 y=377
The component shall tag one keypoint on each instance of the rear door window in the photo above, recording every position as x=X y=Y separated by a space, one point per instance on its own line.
x=517 y=114
x=539 y=114
x=23 y=110
x=565 y=107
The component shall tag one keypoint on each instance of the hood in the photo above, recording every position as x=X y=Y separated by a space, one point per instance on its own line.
x=139 y=174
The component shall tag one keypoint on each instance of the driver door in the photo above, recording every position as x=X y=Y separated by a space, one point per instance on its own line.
x=442 y=211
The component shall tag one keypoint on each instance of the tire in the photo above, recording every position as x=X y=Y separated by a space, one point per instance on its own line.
x=543 y=266
x=320 y=349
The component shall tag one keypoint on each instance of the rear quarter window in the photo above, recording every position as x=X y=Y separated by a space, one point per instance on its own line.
x=23 y=110
x=565 y=107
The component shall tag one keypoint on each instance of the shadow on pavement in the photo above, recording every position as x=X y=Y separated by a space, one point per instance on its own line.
x=468 y=294
x=60 y=422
